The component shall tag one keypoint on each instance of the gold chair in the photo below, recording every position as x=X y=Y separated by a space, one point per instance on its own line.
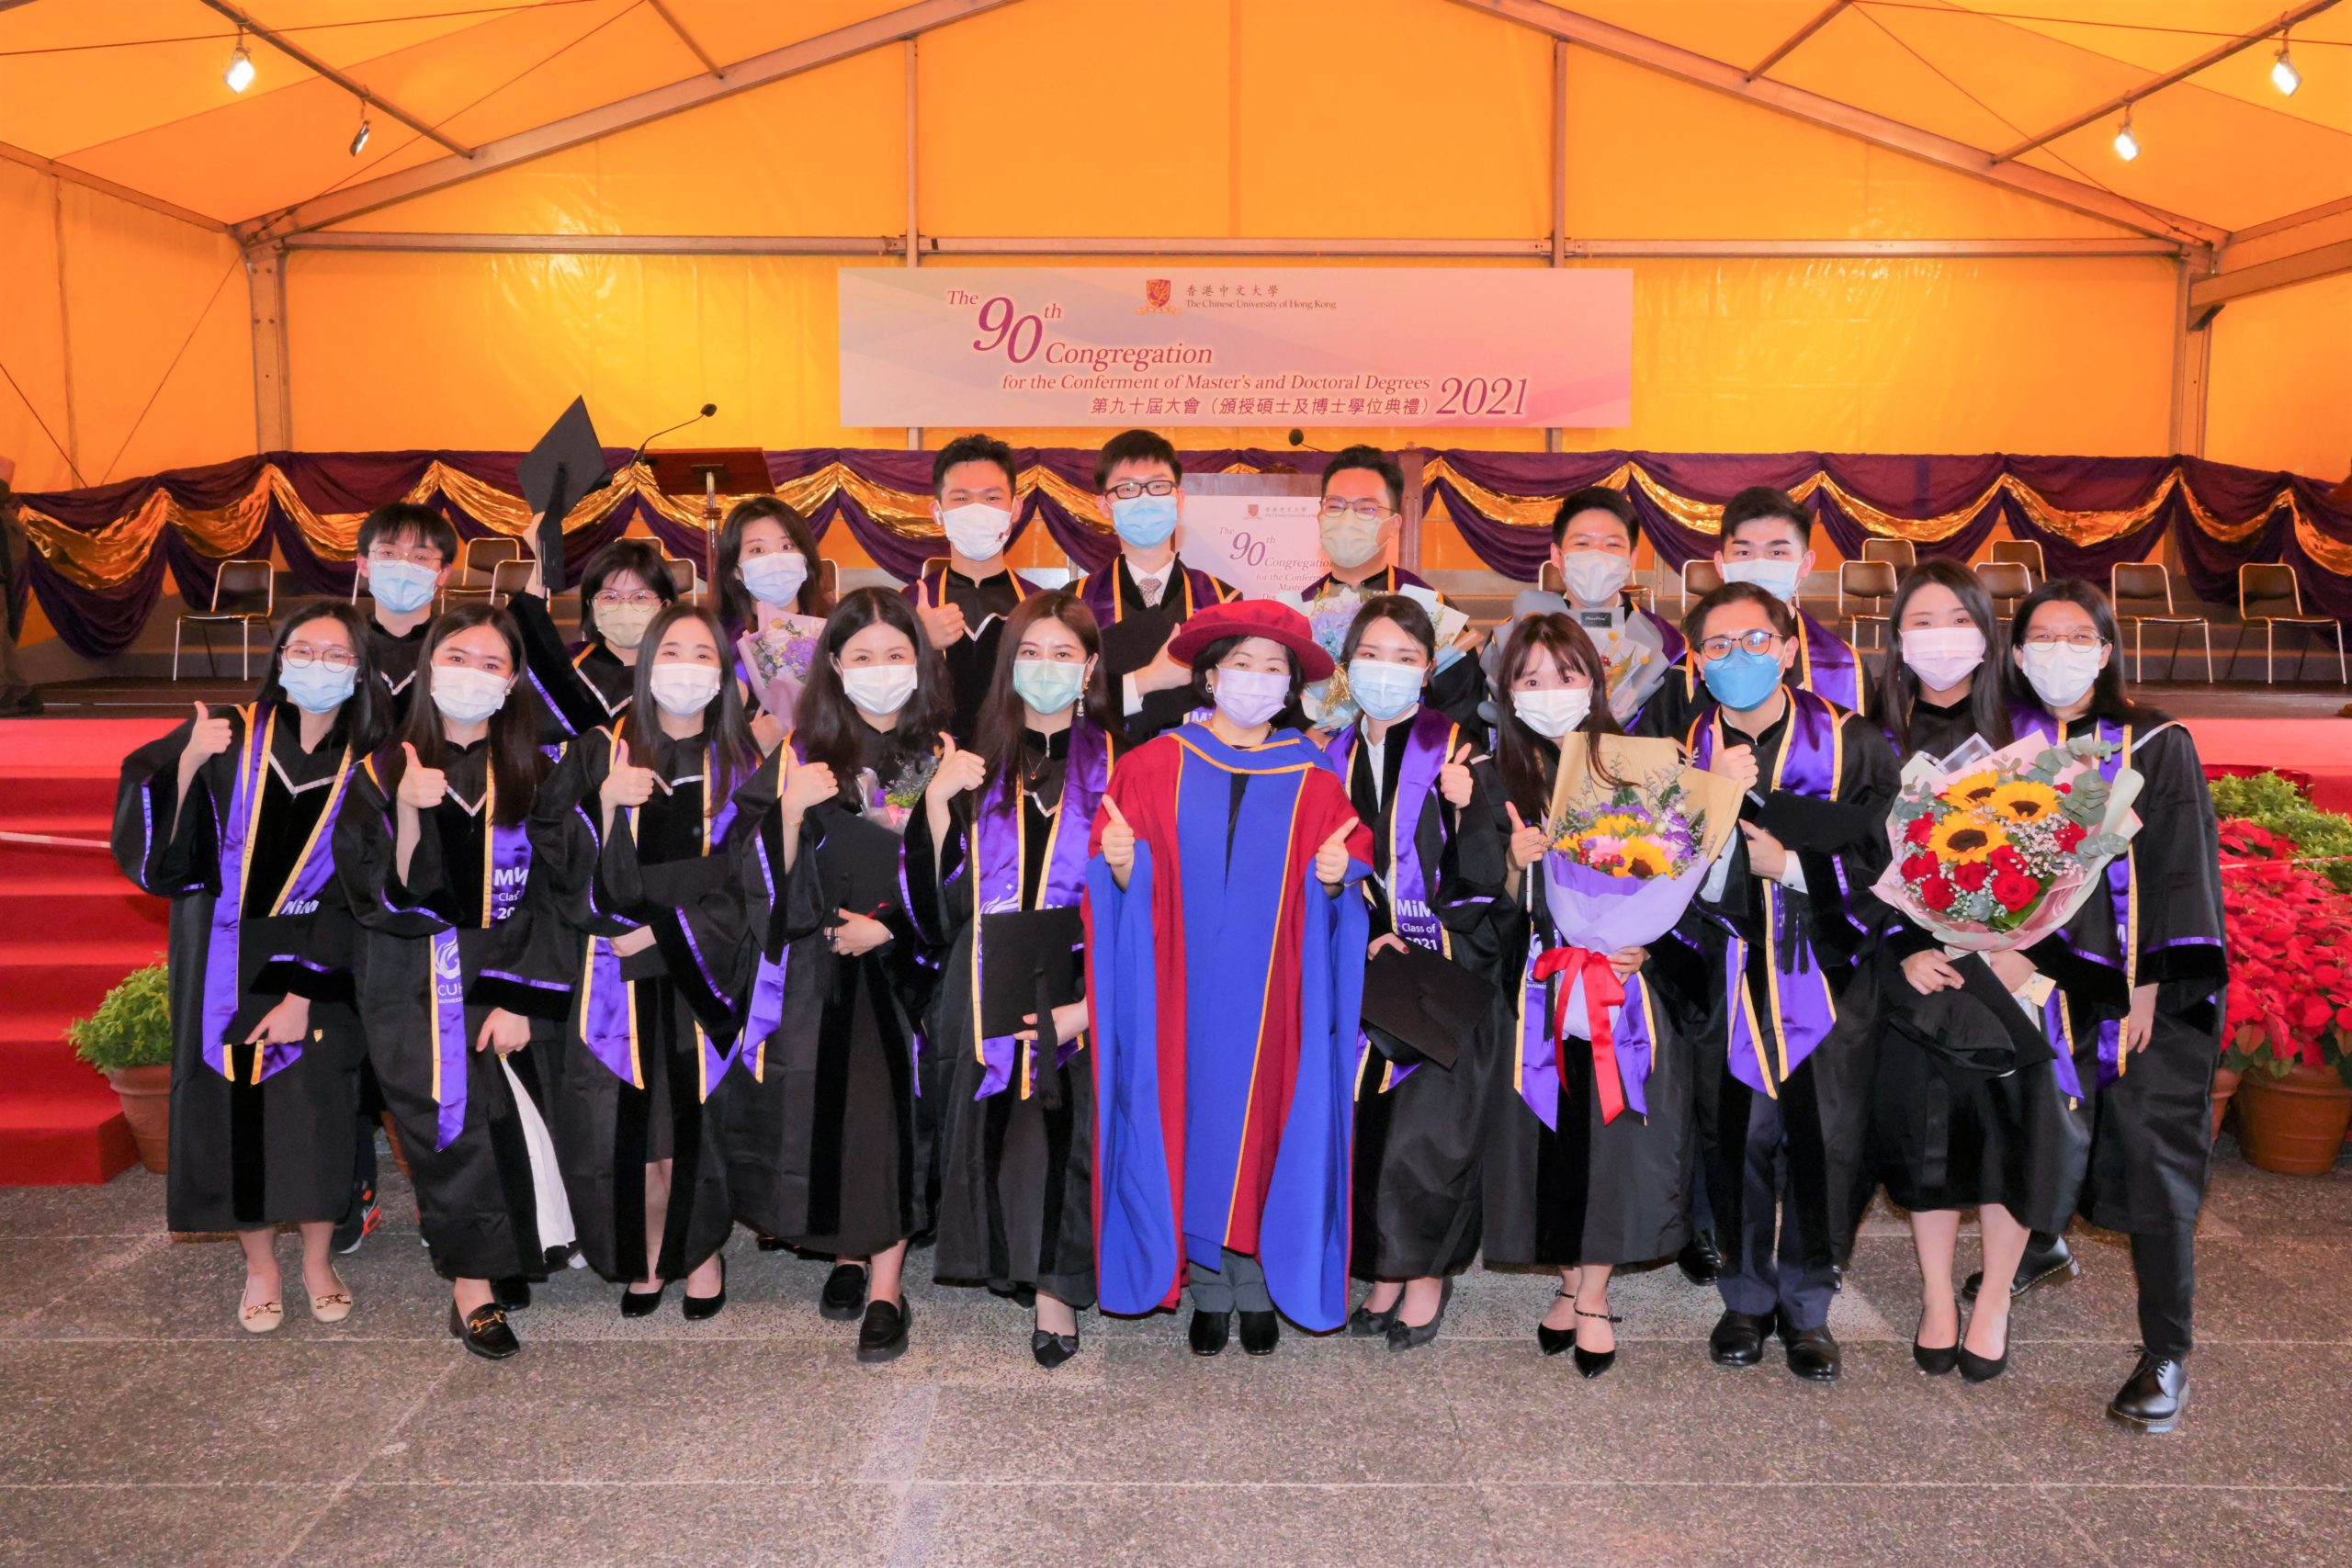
x=1871 y=584
x=2148 y=584
x=2271 y=594
x=244 y=591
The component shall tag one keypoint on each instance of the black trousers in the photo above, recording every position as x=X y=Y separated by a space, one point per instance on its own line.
x=2164 y=1264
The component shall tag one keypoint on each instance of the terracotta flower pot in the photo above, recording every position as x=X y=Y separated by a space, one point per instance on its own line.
x=146 y=1094
x=2225 y=1083
x=2294 y=1126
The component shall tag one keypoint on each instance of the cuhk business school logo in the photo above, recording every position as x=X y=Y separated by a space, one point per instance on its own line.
x=1158 y=298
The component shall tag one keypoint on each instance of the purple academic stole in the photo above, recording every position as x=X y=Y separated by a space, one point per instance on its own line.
x=300 y=894
x=2122 y=888
x=1099 y=592
x=1831 y=666
x=1800 y=1011
x=1000 y=850
x=1428 y=742
x=608 y=1002
x=507 y=868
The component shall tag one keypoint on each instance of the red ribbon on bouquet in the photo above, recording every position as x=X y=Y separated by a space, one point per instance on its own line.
x=1602 y=991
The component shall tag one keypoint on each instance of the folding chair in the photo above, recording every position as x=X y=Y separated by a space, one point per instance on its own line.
x=2004 y=582
x=1899 y=553
x=477 y=565
x=2148 y=584
x=2027 y=553
x=244 y=591
x=2271 y=594
x=1701 y=577
x=1871 y=584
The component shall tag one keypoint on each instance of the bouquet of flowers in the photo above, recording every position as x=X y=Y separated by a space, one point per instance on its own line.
x=1328 y=704
x=777 y=656
x=1998 y=850
x=892 y=805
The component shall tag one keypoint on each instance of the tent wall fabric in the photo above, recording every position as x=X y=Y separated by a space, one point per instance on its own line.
x=2281 y=383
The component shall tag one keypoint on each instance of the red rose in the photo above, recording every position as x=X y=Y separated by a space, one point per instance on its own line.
x=1972 y=878
x=2006 y=858
x=2015 y=890
x=1935 y=893
x=1923 y=827
x=1918 y=868
x=2069 y=835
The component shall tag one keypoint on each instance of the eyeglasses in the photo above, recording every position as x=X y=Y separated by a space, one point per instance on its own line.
x=1757 y=640
x=1370 y=511
x=1127 y=490
x=413 y=555
x=302 y=656
x=2072 y=639
x=613 y=598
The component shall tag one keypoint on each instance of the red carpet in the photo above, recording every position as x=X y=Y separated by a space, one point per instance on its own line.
x=2320 y=747
x=73 y=928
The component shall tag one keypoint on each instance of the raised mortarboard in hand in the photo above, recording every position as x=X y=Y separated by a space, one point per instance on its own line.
x=567 y=465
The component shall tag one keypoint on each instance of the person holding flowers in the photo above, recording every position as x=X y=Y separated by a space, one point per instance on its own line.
x=2147 y=945
x=1783 y=920
x=1436 y=869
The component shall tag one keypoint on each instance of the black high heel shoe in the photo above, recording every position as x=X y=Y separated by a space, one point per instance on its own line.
x=1975 y=1367
x=1365 y=1323
x=1936 y=1360
x=1403 y=1335
x=1052 y=1349
x=1554 y=1341
x=641 y=1303
x=1592 y=1363
x=701 y=1309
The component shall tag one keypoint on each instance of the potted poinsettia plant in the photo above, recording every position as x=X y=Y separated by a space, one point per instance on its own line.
x=129 y=1040
x=2288 y=1028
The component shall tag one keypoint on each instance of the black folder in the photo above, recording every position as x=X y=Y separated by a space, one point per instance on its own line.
x=859 y=860
x=1030 y=959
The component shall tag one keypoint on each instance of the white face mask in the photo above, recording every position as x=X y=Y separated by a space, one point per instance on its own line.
x=466 y=696
x=402 y=586
x=1942 y=656
x=1250 y=697
x=623 y=626
x=1778 y=577
x=2059 y=672
x=1349 y=540
x=1594 y=577
x=1552 y=714
x=775 y=580
x=879 y=689
x=684 y=690
x=977 y=531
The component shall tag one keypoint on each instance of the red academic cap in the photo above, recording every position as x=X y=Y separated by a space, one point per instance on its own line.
x=1252 y=617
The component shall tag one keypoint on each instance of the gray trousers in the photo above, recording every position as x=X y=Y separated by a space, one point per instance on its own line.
x=1242 y=1283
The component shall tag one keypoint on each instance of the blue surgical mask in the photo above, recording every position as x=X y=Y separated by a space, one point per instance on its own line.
x=402 y=586
x=1385 y=692
x=315 y=688
x=1144 y=521
x=1741 y=680
x=1047 y=686
x=1778 y=577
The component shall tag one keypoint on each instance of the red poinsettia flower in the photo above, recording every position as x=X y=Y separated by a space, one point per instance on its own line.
x=2014 y=890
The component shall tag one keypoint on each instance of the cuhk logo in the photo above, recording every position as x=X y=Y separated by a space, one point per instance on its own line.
x=1157 y=293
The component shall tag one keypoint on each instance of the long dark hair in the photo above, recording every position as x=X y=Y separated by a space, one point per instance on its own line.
x=726 y=734
x=828 y=728
x=516 y=764
x=1898 y=688
x=365 y=715
x=2108 y=700
x=1405 y=611
x=642 y=556
x=737 y=608
x=1519 y=750
x=1002 y=720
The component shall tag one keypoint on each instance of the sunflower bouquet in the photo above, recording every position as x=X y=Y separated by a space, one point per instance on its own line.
x=2001 y=850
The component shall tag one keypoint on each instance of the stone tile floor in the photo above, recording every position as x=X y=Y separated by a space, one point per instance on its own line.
x=138 y=1425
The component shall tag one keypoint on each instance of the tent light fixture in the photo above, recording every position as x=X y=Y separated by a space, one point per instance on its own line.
x=2127 y=144
x=359 y=137
x=2283 y=74
x=240 y=74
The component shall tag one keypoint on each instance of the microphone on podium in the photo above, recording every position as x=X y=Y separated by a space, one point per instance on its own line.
x=706 y=411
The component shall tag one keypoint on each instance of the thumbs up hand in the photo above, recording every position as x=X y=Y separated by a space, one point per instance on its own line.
x=958 y=771
x=1332 y=856
x=1526 y=842
x=802 y=785
x=626 y=783
x=1118 y=841
x=1453 y=779
x=208 y=736
x=421 y=787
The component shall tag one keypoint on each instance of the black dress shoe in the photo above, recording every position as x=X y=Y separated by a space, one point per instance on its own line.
x=1812 y=1354
x=1261 y=1331
x=844 y=1297
x=1553 y=1341
x=1936 y=1360
x=1052 y=1349
x=1738 y=1338
x=484 y=1331
x=513 y=1294
x=701 y=1309
x=1700 y=1260
x=2052 y=1265
x=641 y=1303
x=2154 y=1396
x=1592 y=1363
x=883 y=1335
x=773 y=1244
x=1402 y=1336
x=1210 y=1330
x=1365 y=1323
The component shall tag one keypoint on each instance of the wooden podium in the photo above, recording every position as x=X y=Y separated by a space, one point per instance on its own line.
x=711 y=472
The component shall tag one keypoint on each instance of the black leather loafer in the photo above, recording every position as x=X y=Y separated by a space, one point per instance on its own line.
x=1812 y=1354
x=701 y=1309
x=484 y=1331
x=844 y=1297
x=1700 y=1260
x=1738 y=1338
x=1052 y=1349
x=2152 y=1398
x=1261 y=1331
x=642 y=1304
x=883 y=1335
x=2053 y=1265
x=1209 y=1332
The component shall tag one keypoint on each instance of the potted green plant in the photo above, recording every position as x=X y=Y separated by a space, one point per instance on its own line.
x=129 y=1040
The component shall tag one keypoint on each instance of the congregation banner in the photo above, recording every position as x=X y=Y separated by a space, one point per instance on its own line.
x=1176 y=345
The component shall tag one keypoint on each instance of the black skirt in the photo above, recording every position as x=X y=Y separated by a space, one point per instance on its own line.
x=1415 y=1206
x=1016 y=1197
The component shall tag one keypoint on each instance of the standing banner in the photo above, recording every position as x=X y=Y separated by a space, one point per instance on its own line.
x=1259 y=532
x=1173 y=345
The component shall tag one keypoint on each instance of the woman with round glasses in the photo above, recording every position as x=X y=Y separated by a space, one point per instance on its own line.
x=231 y=817
x=585 y=686
x=1782 y=920
x=2140 y=970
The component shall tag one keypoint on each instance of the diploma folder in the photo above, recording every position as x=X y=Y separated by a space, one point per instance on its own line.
x=1029 y=959
x=1420 y=1006
x=859 y=860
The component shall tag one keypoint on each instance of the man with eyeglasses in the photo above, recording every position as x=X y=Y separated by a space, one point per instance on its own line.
x=404 y=555
x=963 y=601
x=1142 y=597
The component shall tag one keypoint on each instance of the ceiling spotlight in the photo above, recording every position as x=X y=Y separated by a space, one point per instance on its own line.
x=240 y=74
x=2283 y=74
x=360 y=137
x=2127 y=145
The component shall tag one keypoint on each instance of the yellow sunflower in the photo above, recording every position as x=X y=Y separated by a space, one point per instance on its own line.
x=1964 y=839
x=2023 y=800
x=1645 y=859
x=1616 y=824
x=1975 y=791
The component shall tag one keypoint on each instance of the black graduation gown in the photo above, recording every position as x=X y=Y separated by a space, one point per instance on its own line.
x=1419 y=1142
x=580 y=689
x=1586 y=1190
x=1824 y=1103
x=2151 y=1130
x=394 y=655
x=828 y=1145
x=480 y=1196
x=247 y=1154
x=1943 y=1134
x=970 y=659
x=1016 y=1170
x=669 y=872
